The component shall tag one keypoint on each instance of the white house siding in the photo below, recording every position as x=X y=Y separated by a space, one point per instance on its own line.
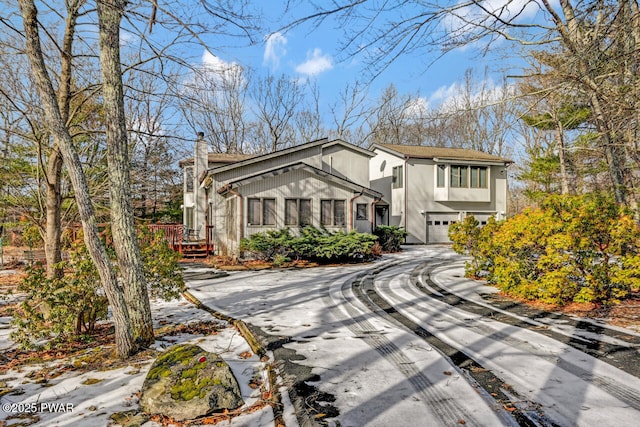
x=427 y=218
x=346 y=163
x=380 y=176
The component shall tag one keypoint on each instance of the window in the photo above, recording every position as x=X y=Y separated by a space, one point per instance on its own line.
x=188 y=217
x=441 y=172
x=332 y=212
x=188 y=179
x=478 y=177
x=458 y=176
x=468 y=176
x=268 y=211
x=261 y=211
x=297 y=212
x=397 y=177
x=361 y=211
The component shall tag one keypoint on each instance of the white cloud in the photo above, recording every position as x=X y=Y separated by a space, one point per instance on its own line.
x=417 y=107
x=274 y=50
x=220 y=70
x=316 y=63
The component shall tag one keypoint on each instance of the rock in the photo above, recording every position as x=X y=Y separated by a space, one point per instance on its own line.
x=186 y=382
x=129 y=419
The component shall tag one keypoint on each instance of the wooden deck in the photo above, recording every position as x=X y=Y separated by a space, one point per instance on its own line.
x=181 y=240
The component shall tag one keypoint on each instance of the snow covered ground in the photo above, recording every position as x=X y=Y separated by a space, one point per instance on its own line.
x=372 y=369
x=90 y=398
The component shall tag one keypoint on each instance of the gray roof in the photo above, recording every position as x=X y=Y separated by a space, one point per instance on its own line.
x=220 y=158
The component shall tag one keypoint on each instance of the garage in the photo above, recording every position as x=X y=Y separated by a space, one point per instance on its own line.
x=481 y=217
x=438 y=226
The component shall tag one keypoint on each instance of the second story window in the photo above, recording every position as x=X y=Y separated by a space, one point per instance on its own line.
x=188 y=179
x=478 y=177
x=458 y=177
x=462 y=176
x=397 y=177
x=441 y=171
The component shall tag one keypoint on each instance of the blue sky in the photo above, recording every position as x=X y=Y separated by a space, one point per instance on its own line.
x=305 y=53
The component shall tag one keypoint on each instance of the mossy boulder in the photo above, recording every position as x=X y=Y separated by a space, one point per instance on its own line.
x=186 y=382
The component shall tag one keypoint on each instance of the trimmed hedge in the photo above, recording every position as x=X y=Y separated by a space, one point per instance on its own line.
x=312 y=244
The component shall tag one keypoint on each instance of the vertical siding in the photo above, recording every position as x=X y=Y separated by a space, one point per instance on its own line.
x=345 y=163
x=294 y=184
x=311 y=156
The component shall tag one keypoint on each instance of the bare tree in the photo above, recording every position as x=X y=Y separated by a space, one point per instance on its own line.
x=276 y=103
x=596 y=41
x=349 y=113
x=125 y=344
x=125 y=240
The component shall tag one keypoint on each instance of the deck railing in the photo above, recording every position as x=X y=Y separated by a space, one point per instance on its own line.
x=178 y=238
x=173 y=233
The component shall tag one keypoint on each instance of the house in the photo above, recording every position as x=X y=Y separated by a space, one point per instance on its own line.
x=428 y=188
x=321 y=183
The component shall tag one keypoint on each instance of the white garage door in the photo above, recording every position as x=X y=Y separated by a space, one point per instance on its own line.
x=482 y=217
x=438 y=227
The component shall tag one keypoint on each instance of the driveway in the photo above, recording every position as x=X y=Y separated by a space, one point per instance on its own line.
x=408 y=340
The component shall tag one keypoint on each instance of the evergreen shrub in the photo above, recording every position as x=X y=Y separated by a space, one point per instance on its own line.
x=571 y=249
x=312 y=244
x=390 y=237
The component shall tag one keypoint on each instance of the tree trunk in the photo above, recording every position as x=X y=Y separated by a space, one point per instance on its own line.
x=125 y=345
x=53 y=232
x=564 y=178
x=122 y=220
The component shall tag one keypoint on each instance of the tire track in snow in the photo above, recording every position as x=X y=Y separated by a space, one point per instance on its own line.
x=625 y=394
x=346 y=306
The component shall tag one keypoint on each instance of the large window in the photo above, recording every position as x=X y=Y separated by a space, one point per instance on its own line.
x=478 y=177
x=261 y=211
x=397 y=177
x=459 y=176
x=332 y=212
x=297 y=212
x=467 y=176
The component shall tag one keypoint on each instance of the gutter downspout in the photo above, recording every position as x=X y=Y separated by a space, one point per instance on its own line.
x=373 y=213
x=406 y=184
x=351 y=208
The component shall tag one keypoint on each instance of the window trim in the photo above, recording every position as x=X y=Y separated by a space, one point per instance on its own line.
x=298 y=220
x=359 y=216
x=332 y=220
x=397 y=177
x=261 y=206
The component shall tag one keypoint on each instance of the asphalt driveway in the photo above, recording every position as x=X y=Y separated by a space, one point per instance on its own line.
x=408 y=341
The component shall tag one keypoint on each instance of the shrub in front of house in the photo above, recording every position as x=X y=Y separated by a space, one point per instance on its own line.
x=571 y=249
x=390 y=237
x=312 y=244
